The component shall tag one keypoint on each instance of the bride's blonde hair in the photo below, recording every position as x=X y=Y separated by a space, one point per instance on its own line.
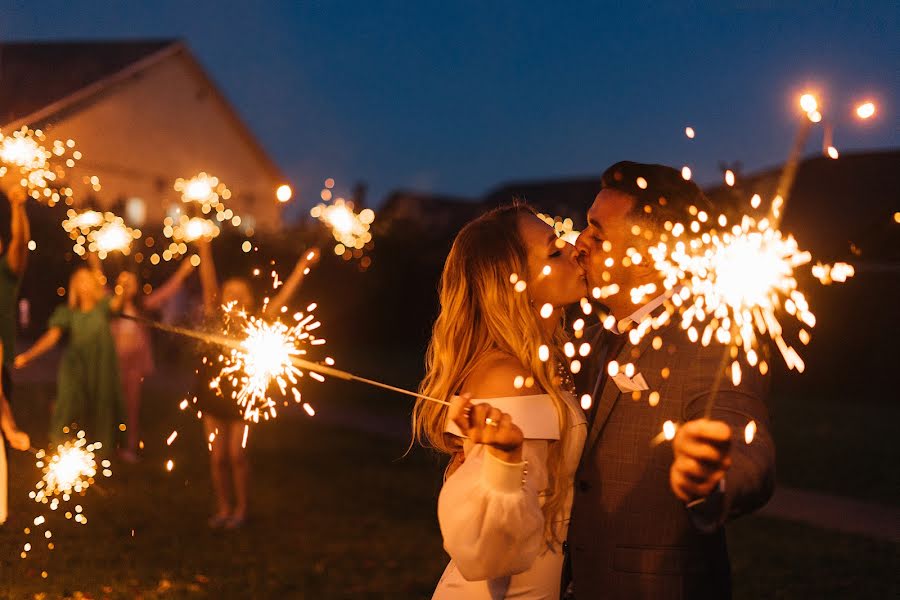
x=481 y=312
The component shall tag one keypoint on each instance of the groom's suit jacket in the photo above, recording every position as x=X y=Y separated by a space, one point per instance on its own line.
x=631 y=537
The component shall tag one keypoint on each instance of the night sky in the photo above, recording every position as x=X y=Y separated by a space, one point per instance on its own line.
x=458 y=97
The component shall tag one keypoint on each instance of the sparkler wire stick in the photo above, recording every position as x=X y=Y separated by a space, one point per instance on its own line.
x=785 y=184
x=717 y=383
x=789 y=171
x=298 y=362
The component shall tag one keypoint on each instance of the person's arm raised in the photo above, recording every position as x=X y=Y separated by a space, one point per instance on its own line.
x=158 y=297
x=294 y=281
x=209 y=281
x=20 y=231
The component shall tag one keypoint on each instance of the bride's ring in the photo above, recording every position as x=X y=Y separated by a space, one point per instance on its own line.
x=491 y=422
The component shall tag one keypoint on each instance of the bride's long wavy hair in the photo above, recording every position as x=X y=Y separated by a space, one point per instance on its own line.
x=481 y=312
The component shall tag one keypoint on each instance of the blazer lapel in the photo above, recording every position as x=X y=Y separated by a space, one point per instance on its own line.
x=610 y=393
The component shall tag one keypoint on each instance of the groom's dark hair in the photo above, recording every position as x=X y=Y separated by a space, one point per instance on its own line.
x=661 y=192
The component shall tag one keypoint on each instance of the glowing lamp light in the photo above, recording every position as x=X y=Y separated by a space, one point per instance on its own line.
x=865 y=110
x=284 y=193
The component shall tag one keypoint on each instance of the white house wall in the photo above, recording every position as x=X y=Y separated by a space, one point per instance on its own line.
x=161 y=124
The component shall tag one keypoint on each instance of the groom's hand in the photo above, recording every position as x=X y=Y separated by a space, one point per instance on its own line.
x=484 y=424
x=702 y=457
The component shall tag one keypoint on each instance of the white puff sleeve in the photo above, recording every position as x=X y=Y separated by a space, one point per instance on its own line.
x=490 y=514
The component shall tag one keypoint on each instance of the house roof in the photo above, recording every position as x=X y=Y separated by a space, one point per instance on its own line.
x=35 y=75
x=48 y=78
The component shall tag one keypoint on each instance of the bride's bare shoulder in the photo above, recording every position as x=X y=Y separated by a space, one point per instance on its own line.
x=496 y=375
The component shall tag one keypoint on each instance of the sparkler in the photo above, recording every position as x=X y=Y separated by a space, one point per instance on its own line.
x=734 y=285
x=185 y=230
x=838 y=272
x=209 y=194
x=40 y=168
x=203 y=189
x=349 y=228
x=69 y=471
x=326 y=370
x=263 y=360
x=102 y=233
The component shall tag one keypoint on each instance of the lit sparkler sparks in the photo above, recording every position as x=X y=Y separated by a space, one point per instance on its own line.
x=185 y=230
x=263 y=363
x=102 y=233
x=838 y=272
x=69 y=471
x=39 y=165
x=349 y=228
x=565 y=228
x=733 y=285
x=203 y=189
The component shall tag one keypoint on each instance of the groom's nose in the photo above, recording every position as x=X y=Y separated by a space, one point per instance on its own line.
x=581 y=246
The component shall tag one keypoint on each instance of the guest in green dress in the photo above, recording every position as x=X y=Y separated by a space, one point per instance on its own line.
x=89 y=392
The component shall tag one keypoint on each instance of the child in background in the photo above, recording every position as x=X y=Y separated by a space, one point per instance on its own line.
x=221 y=416
x=89 y=392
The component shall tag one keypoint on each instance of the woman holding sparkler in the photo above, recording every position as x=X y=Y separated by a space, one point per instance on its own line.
x=133 y=343
x=222 y=417
x=17 y=439
x=88 y=387
x=504 y=507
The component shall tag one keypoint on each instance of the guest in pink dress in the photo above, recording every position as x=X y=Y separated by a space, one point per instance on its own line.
x=134 y=347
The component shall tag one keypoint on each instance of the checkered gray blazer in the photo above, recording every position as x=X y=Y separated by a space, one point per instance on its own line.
x=631 y=537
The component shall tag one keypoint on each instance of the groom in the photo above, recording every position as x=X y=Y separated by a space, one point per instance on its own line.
x=648 y=517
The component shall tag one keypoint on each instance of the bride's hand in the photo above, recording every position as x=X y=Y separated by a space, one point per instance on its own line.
x=484 y=424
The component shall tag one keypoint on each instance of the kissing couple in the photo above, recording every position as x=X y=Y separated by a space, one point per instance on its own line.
x=542 y=498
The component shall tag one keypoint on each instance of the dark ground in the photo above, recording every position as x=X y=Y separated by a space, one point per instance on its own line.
x=342 y=514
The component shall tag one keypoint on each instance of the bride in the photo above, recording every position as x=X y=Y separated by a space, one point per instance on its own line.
x=514 y=430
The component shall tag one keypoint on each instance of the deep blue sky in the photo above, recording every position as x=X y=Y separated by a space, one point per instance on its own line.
x=457 y=97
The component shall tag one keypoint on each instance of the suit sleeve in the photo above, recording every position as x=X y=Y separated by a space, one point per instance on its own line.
x=489 y=513
x=750 y=481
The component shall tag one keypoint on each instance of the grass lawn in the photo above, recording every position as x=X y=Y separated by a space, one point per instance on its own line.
x=336 y=514
x=843 y=446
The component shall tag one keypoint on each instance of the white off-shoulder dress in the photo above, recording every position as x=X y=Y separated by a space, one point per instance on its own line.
x=490 y=510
